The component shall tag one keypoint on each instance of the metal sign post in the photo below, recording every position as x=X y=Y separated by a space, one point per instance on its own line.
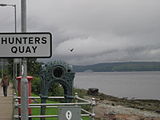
x=24 y=81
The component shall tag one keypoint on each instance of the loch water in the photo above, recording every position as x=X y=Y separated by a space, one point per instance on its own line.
x=141 y=85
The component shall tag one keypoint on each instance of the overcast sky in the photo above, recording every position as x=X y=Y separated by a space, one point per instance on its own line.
x=97 y=30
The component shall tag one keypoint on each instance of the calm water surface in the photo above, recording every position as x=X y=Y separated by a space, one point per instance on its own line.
x=144 y=85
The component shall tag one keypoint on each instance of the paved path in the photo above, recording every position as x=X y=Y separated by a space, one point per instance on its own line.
x=6 y=104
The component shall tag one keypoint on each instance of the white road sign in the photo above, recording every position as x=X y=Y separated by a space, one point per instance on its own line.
x=18 y=45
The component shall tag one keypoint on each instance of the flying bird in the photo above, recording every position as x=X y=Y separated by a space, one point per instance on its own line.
x=72 y=49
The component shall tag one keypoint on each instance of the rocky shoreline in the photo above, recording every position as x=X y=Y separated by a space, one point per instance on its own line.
x=114 y=108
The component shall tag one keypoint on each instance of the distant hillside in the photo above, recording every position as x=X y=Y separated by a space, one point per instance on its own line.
x=120 y=66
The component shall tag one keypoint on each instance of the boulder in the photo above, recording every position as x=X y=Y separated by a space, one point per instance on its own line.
x=93 y=91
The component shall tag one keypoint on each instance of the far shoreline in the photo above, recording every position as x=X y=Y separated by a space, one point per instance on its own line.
x=152 y=105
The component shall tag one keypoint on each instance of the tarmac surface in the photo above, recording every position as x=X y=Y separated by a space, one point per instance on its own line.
x=6 y=104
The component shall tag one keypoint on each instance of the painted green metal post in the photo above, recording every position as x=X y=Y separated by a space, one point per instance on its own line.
x=56 y=72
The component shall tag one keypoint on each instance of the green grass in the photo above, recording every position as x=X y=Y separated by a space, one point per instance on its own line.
x=49 y=111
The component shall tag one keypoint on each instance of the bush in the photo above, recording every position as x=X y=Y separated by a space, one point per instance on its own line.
x=36 y=85
x=55 y=90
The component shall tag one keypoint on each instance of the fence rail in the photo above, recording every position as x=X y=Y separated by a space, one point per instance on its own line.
x=78 y=102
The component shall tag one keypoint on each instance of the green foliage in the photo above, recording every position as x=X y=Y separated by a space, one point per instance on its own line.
x=56 y=90
x=36 y=85
x=81 y=92
x=9 y=68
x=33 y=66
x=6 y=72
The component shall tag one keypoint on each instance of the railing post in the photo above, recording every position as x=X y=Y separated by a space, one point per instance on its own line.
x=93 y=104
x=43 y=108
x=76 y=96
x=16 y=106
x=13 y=106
